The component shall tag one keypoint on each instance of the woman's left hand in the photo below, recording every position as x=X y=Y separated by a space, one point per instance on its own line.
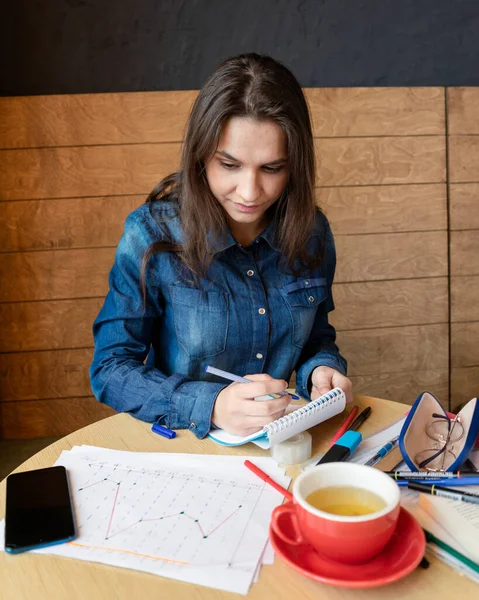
x=324 y=379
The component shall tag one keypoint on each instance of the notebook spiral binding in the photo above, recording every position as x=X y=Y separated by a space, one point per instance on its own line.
x=303 y=412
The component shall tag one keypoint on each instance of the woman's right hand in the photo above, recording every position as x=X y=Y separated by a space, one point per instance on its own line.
x=237 y=412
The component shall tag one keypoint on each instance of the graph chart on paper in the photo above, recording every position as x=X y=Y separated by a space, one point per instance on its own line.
x=177 y=518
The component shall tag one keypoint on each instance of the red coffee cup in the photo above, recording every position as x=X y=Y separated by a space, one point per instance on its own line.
x=347 y=539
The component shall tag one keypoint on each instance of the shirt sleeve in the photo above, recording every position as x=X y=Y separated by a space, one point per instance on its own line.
x=321 y=348
x=123 y=333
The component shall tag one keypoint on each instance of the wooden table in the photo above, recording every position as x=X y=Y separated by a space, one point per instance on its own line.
x=50 y=577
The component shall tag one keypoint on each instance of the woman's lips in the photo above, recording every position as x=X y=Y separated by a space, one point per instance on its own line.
x=246 y=208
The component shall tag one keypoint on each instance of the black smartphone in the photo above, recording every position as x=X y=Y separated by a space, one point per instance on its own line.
x=39 y=510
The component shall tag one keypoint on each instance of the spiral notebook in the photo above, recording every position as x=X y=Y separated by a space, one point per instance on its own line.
x=315 y=412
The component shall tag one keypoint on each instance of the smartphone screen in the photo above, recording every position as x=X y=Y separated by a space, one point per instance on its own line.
x=39 y=510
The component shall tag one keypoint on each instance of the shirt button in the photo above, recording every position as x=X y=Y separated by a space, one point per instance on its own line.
x=311 y=299
x=306 y=283
x=193 y=426
x=250 y=273
x=259 y=355
x=261 y=311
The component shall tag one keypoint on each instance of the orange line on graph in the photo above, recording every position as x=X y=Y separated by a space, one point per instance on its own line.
x=171 y=560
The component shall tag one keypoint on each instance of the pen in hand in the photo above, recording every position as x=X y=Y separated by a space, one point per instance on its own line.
x=238 y=379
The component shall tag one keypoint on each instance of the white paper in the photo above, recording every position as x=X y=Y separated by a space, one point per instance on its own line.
x=266 y=559
x=196 y=518
x=368 y=447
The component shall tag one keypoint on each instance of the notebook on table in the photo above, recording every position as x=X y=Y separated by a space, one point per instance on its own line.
x=307 y=416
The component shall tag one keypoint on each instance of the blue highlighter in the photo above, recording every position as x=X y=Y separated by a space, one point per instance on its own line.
x=343 y=448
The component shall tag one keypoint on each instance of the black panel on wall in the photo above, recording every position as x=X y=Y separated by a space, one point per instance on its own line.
x=77 y=46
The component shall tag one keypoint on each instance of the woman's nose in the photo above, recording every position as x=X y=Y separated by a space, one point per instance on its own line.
x=248 y=188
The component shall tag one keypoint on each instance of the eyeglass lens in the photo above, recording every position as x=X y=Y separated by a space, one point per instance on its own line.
x=445 y=433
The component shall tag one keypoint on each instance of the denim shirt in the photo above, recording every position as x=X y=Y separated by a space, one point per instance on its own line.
x=249 y=315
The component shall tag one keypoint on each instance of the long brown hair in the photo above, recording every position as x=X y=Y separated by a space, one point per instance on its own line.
x=260 y=88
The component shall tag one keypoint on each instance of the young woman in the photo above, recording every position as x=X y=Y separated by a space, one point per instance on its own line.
x=229 y=263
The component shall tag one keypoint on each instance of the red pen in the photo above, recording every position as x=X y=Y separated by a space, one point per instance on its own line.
x=347 y=422
x=262 y=475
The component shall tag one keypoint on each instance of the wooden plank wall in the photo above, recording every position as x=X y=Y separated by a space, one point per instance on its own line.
x=73 y=167
x=463 y=144
x=382 y=181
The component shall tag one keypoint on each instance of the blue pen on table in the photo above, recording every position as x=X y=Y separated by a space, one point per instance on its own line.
x=430 y=475
x=382 y=452
x=164 y=431
x=456 y=482
x=238 y=379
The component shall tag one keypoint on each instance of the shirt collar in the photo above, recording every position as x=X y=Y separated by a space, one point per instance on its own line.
x=226 y=239
x=270 y=234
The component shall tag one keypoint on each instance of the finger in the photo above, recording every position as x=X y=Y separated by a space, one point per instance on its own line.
x=259 y=377
x=245 y=429
x=261 y=388
x=320 y=390
x=255 y=423
x=349 y=393
x=266 y=408
x=345 y=384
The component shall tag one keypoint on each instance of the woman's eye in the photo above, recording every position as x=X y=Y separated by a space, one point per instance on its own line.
x=228 y=166
x=273 y=170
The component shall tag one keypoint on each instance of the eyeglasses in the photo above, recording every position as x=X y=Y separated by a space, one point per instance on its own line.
x=444 y=433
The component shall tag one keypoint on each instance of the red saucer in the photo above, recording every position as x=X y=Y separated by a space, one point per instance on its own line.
x=401 y=556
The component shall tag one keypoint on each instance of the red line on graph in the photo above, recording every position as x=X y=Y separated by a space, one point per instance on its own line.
x=222 y=522
x=87 y=486
x=203 y=533
x=101 y=481
x=112 y=511
x=165 y=517
x=200 y=528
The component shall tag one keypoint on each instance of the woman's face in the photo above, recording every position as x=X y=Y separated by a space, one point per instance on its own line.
x=248 y=173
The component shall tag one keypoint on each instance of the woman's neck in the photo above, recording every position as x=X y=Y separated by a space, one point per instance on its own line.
x=245 y=233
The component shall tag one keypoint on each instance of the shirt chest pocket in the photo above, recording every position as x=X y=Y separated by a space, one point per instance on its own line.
x=201 y=320
x=302 y=299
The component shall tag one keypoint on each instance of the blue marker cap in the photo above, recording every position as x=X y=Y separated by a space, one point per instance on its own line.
x=343 y=448
x=351 y=439
x=164 y=431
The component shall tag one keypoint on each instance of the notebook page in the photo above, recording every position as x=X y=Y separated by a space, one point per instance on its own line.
x=317 y=411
